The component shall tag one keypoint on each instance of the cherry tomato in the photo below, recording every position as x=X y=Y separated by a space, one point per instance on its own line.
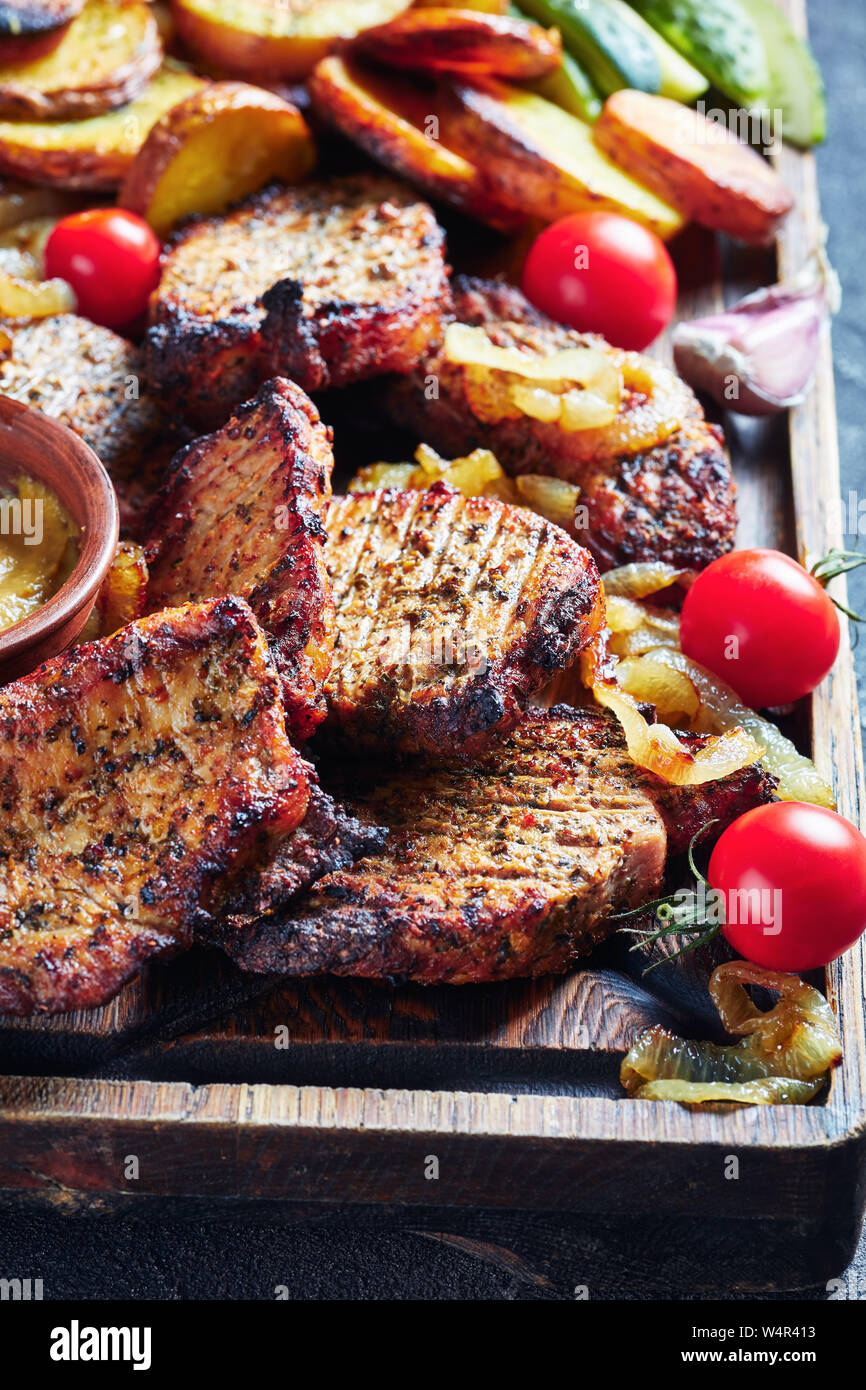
x=762 y=623
x=809 y=867
x=111 y=260
x=602 y=273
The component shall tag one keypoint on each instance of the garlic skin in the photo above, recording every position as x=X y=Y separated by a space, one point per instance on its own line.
x=759 y=357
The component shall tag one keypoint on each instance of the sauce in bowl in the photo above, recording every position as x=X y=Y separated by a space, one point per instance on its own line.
x=39 y=546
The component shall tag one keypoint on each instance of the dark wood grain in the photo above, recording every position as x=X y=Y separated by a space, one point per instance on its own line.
x=513 y=1088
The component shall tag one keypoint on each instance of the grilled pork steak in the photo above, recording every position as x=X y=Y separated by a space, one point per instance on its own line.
x=89 y=379
x=133 y=773
x=242 y=514
x=510 y=867
x=326 y=283
x=328 y=838
x=672 y=502
x=451 y=611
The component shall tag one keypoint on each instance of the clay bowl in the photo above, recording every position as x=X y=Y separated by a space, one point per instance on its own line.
x=32 y=444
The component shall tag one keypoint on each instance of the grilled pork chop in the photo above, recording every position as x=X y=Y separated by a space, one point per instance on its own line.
x=89 y=379
x=672 y=502
x=328 y=838
x=451 y=611
x=511 y=867
x=134 y=771
x=326 y=283
x=241 y=514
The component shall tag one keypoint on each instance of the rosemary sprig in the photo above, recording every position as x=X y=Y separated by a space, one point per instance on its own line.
x=670 y=917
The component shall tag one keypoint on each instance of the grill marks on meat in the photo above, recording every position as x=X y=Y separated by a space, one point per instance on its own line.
x=133 y=773
x=451 y=611
x=511 y=867
x=326 y=283
x=673 y=502
x=89 y=379
x=242 y=514
x=504 y=868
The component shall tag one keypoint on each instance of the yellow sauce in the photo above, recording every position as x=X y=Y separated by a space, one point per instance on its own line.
x=38 y=548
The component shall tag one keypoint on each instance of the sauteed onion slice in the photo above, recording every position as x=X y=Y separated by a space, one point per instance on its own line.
x=782 y=1057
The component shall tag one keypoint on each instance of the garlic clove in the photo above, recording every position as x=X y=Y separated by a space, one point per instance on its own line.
x=759 y=356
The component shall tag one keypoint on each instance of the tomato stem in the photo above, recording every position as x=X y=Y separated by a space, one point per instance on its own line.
x=834 y=563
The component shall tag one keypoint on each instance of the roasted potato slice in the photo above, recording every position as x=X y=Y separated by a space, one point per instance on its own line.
x=390 y=119
x=485 y=6
x=27 y=50
x=212 y=149
x=105 y=58
x=540 y=159
x=97 y=152
x=275 y=38
x=697 y=164
x=463 y=41
x=31 y=28
x=122 y=595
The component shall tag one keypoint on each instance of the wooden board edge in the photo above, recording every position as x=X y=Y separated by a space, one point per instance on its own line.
x=816 y=481
x=841 y=1122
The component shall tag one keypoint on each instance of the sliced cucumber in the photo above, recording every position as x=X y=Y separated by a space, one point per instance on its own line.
x=613 y=53
x=570 y=88
x=680 y=80
x=796 y=86
x=720 y=38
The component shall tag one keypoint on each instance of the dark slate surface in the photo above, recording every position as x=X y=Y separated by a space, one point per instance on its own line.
x=219 y=1257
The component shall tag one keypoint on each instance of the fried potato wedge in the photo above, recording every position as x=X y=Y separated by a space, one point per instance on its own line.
x=27 y=50
x=272 y=38
x=697 y=164
x=464 y=42
x=122 y=595
x=485 y=6
x=212 y=149
x=541 y=159
x=105 y=58
x=389 y=117
x=94 y=153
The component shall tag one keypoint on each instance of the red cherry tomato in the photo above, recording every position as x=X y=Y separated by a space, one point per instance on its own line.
x=602 y=273
x=794 y=883
x=111 y=260
x=762 y=623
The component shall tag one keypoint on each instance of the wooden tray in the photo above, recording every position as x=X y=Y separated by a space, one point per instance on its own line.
x=512 y=1088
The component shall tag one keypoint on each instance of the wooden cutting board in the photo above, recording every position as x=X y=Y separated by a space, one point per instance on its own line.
x=512 y=1089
